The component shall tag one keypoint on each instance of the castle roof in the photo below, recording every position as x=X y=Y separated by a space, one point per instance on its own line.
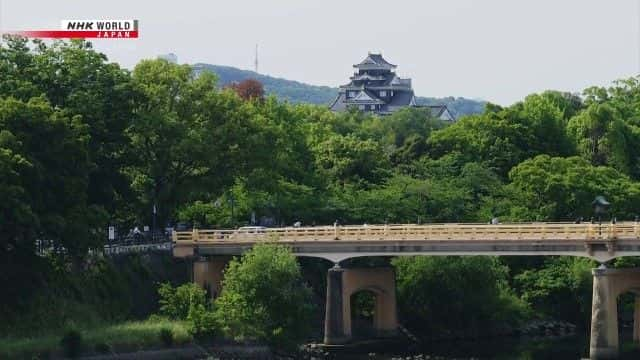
x=365 y=97
x=374 y=61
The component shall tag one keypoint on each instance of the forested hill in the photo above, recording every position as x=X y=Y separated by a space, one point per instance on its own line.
x=297 y=92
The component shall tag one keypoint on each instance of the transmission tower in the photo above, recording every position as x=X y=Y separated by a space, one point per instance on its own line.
x=256 y=61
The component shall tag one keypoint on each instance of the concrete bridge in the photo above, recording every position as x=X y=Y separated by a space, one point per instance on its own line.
x=211 y=249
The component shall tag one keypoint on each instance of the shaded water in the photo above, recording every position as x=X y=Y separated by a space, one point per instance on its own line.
x=566 y=348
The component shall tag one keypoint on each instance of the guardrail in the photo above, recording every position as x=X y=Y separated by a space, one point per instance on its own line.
x=137 y=248
x=431 y=232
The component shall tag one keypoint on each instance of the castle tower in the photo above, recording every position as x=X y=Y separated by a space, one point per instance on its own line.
x=375 y=87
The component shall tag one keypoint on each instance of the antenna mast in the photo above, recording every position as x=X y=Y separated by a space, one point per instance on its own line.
x=256 y=61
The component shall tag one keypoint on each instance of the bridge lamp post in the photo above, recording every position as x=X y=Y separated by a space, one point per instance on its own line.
x=153 y=228
x=600 y=207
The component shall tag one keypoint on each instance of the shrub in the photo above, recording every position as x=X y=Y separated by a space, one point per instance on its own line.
x=176 y=302
x=561 y=288
x=202 y=322
x=72 y=343
x=464 y=294
x=166 y=337
x=264 y=298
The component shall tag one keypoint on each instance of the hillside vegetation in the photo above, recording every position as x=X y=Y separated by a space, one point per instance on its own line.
x=85 y=144
x=297 y=92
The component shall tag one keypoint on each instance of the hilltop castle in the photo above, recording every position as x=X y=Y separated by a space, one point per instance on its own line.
x=376 y=88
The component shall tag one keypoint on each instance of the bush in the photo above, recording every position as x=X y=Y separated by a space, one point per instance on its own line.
x=264 y=298
x=464 y=295
x=166 y=337
x=561 y=288
x=176 y=302
x=202 y=322
x=72 y=343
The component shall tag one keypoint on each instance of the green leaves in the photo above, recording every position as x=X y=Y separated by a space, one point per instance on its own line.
x=467 y=294
x=563 y=188
x=46 y=166
x=264 y=298
x=561 y=288
x=346 y=159
x=178 y=302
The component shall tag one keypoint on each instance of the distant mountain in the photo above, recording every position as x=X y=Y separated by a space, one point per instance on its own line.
x=297 y=92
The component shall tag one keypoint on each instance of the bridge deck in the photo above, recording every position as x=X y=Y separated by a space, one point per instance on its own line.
x=339 y=242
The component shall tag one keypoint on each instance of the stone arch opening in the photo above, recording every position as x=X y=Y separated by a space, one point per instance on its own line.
x=628 y=314
x=342 y=284
x=381 y=283
x=363 y=314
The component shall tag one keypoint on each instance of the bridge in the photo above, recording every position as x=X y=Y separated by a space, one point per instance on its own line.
x=211 y=250
x=337 y=243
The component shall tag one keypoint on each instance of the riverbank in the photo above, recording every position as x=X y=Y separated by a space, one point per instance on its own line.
x=162 y=338
x=142 y=340
x=572 y=347
x=108 y=339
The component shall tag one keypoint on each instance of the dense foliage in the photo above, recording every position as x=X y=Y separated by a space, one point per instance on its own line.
x=264 y=298
x=85 y=144
x=443 y=295
x=176 y=302
x=47 y=296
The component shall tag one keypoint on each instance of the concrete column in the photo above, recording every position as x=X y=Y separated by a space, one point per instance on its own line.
x=334 y=321
x=208 y=273
x=636 y=320
x=604 y=317
x=381 y=282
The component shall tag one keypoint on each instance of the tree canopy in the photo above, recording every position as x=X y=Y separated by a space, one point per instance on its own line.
x=85 y=144
x=264 y=298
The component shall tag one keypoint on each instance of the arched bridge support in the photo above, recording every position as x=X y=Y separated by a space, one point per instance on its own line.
x=608 y=284
x=208 y=273
x=344 y=282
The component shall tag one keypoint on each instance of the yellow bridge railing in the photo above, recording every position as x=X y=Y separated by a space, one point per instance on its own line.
x=432 y=232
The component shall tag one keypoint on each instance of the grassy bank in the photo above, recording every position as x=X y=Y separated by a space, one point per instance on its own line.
x=105 y=291
x=131 y=335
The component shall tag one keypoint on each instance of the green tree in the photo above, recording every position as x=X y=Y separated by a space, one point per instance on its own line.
x=346 y=159
x=603 y=138
x=482 y=138
x=74 y=77
x=503 y=137
x=441 y=294
x=263 y=298
x=16 y=212
x=402 y=134
x=47 y=150
x=560 y=289
x=554 y=188
x=178 y=302
x=187 y=135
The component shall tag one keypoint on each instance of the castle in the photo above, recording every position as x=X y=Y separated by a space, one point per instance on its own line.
x=376 y=88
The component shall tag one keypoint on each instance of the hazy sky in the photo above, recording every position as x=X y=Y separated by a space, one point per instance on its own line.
x=498 y=50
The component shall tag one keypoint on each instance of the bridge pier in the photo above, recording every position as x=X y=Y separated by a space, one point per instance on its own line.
x=207 y=272
x=334 y=315
x=341 y=284
x=608 y=284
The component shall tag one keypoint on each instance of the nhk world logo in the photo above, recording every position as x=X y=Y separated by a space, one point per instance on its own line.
x=88 y=29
